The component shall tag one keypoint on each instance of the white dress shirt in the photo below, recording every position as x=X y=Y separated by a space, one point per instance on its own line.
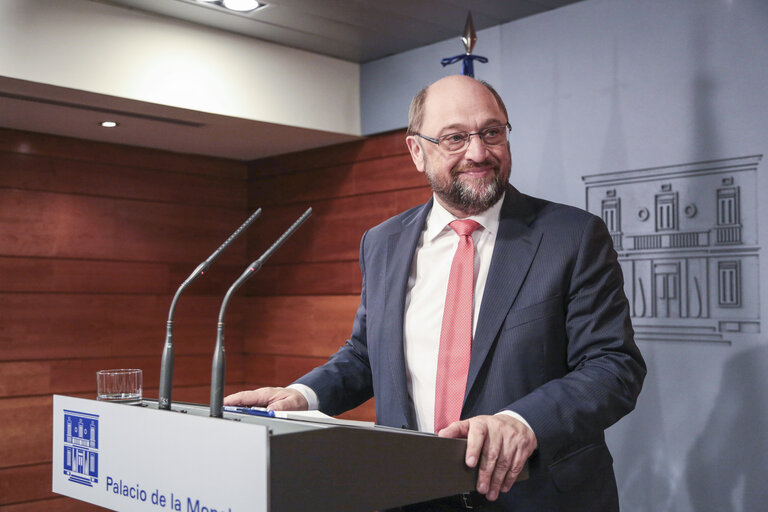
x=425 y=300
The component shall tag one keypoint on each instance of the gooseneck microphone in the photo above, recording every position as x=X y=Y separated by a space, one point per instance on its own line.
x=219 y=363
x=166 y=365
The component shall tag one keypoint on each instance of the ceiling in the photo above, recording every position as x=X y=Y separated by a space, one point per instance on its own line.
x=352 y=30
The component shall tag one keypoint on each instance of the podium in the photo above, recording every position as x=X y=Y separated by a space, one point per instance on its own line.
x=136 y=457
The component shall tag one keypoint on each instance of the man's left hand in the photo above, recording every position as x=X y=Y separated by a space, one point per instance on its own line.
x=500 y=443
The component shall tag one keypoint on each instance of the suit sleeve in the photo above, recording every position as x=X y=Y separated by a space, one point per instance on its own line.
x=605 y=368
x=345 y=381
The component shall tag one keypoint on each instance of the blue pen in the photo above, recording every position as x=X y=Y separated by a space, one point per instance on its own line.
x=251 y=411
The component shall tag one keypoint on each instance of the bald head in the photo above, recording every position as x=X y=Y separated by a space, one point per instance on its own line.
x=451 y=88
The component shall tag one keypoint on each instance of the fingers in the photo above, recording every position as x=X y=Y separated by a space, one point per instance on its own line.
x=477 y=433
x=474 y=443
x=498 y=466
x=499 y=445
x=276 y=399
x=508 y=445
x=487 y=475
x=255 y=397
x=455 y=429
x=288 y=400
x=239 y=398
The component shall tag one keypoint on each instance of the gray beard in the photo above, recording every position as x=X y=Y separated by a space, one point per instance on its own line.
x=465 y=198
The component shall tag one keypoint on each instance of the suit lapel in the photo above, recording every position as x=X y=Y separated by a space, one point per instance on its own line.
x=401 y=246
x=516 y=246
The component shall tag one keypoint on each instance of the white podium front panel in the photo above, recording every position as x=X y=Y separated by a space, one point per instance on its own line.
x=130 y=458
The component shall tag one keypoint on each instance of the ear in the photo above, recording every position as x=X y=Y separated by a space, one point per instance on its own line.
x=417 y=152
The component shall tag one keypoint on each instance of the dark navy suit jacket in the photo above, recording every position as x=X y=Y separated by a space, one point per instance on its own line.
x=553 y=342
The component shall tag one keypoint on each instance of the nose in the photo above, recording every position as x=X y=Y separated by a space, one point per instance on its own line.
x=476 y=149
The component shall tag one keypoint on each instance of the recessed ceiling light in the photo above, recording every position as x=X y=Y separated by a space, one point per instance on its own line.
x=241 y=5
x=109 y=124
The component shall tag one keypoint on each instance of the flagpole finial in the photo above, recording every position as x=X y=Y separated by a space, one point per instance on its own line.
x=469 y=37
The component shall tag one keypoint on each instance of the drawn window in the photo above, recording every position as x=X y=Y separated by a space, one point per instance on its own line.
x=612 y=214
x=666 y=286
x=727 y=206
x=729 y=282
x=666 y=212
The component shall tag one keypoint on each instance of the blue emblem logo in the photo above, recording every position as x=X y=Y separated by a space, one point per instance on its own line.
x=81 y=447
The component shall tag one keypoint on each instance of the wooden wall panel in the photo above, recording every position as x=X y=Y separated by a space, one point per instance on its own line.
x=78 y=376
x=95 y=237
x=94 y=240
x=301 y=325
x=78 y=275
x=302 y=303
x=44 y=224
x=56 y=147
x=334 y=230
x=41 y=173
x=373 y=148
x=25 y=483
x=277 y=370
x=59 y=504
x=28 y=440
x=44 y=275
x=308 y=278
x=51 y=326
x=355 y=178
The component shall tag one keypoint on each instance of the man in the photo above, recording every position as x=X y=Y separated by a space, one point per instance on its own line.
x=550 y=359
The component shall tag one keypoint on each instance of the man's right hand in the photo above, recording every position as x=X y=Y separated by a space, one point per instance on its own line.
x=274 y=399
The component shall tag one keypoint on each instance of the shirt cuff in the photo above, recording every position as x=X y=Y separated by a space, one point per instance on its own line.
x=516 y=416
x=313 y=403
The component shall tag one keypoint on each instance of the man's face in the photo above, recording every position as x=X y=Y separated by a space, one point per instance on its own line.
x=470 y=181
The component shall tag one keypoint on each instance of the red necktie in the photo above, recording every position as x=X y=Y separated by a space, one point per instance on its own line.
x=456 y=331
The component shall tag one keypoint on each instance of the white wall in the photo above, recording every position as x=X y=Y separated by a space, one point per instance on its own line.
x=113 y=51
x=613 y=85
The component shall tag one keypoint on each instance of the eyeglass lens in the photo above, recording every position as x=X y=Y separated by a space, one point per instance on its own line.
x=491 y=136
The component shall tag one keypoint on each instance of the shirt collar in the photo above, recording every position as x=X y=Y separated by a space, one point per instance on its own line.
x=439 y=218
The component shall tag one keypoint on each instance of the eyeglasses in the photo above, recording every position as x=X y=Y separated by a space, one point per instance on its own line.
x=459 y=141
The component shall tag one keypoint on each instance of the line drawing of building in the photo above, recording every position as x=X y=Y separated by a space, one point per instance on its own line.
x=81 y=445
x=687 y=240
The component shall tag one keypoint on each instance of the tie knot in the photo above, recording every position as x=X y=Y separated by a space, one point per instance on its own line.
x=464 y=227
